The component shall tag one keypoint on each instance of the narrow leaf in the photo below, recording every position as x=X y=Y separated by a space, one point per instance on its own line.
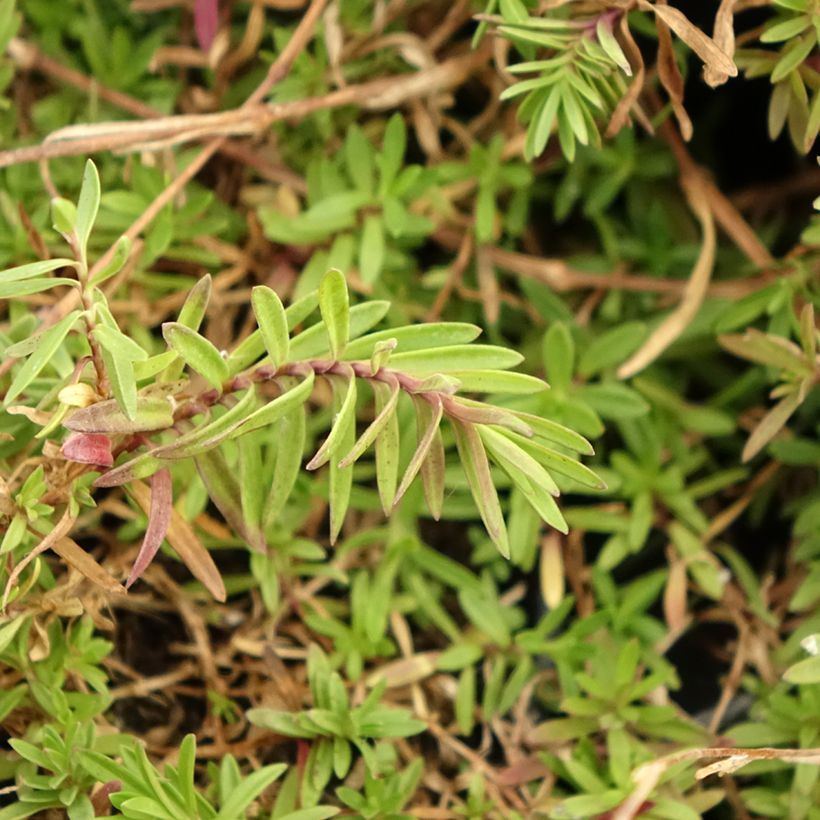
x=334 y=305
x=344 y=421
x=87 y=205
x=50 y=343
x=273 y=323
x=159 y=519
x=184 y=540
x=477 y=469
x=377 y=425
x=432 y=412
x=197 y=352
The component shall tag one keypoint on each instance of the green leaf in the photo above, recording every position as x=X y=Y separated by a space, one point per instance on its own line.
x=465 y=701
x=359 y=159
x=63 y=215
x=414 y=337
x=50 y=343
x=87 y=205
x=277 y=408
x=497 y=381
x=428 y=418
x=556 y=433
x=273 y=323
x=34 y=269
x=29 y=286
x=557 y=462
x=344 y=422
x=386 y=411
x=341 y=439
x=197 y=352
x=291 y=435
x=122 y=250
x=118 y=344
x=248 y=790
x=455 y=357
x=611 y=46
x=792 y=57
x=313 y=342
x=387 y=449
x=392 y=155
x=559 y=355
x=371 y=249
x=335 y=308
x=477 y=469
x=152 y=413
x=611 y=348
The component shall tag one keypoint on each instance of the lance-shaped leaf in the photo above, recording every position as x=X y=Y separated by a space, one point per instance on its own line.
x=611 y=46
x=344 y=420
x=314 y=341
x=197 y=352
x=206 y=22
x=87 y=205
x=557 y=462
x=500 y=446
x=341 y=478
x=273 y=323
x=120 y=373
x=334 y=304
x=278 y=407
x=223 y=490
x=497 y=381
x=159 y=519
x=185 y=543
x=50 y=343
x=143 y=466
x=535 y=484
x=387 y=448
x=428 y=417
x=291 y=434
x=381 y=355
x=191 y=315
x=29 y=286
x=122 y=250
x=253 y=347
x=456 y=357
x=75 y=556
x=770 y=425
x=118 y=344
x=33 y=270
x=763 y=348
x=152 y=413
x=477 y=469
x=209 y=435
x=556 y=433
x=476 y=412
x=251 y=489
x=414 y=337
x=433 y=464
x=88 y=448
x=383 y=415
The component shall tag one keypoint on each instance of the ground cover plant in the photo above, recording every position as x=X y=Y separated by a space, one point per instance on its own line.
x=409 y=409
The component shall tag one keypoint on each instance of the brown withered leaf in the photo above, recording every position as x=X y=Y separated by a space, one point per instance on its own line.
x=770 y=425
x=677 y=321
x=724 y=37
x=671 y=79
x=703 y=45
x=620 y=116
x=184 y=540
x=72 y=553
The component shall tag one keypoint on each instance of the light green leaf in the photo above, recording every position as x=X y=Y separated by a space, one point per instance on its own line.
x=371 y=249
x=197 y=352
x=335 y=308
x=118 y=344
x=120 y=373
x=29 y=286
x=477 y=469
x=455 y=357
x=122 y=249
x=428 y=418
x=87 y=205
x=34 y=269
x=343 y=422
x=291 y=434
x=273 y=323
x=414 y=337
x=248 y=790
x=50 y=343
x=384 y=414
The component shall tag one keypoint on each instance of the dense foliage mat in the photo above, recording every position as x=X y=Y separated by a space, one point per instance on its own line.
x=409 y=409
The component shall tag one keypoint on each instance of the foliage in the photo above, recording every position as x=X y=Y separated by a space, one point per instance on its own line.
x=399 y=419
